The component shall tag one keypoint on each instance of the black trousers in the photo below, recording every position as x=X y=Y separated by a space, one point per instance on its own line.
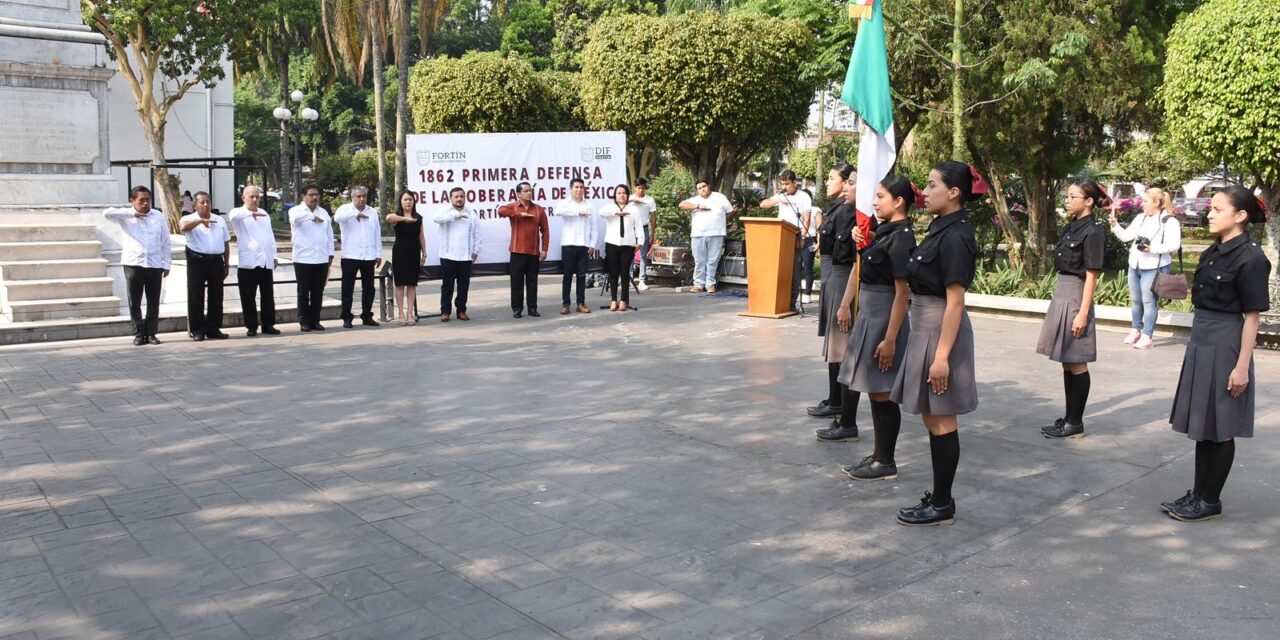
x=573 y=259
x=806 y=265
x=456 y=273
x=524 y=281
x=205 y=274
x=349 y=270
x=311 y=280
x=142 y=281
x=251 y=282
x=617 y=260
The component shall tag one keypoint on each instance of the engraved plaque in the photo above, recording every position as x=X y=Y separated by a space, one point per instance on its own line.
x=48 y=126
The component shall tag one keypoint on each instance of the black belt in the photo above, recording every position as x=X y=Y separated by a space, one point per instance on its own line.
x=204 y=256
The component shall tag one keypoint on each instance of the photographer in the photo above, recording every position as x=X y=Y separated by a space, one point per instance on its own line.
x=1155 y=235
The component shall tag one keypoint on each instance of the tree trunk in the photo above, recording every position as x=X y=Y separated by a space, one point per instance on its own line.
x=958 y=150
x=286 y=166
x=402 y=94
x=1271 y=245
x=165 y=197
x=378 y=113
x=1040 y=213
x=1008 y=226
x=822 y=132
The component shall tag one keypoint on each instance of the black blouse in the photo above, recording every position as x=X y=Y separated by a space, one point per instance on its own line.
x=947 y=255
x=1232 y=277
x=826 y=233
x=1082 y=246
x=887 y=257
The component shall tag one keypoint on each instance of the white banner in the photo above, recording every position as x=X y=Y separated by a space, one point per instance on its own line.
x=488 y=166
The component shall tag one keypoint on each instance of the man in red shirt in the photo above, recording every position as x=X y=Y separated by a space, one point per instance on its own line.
x=530 y=234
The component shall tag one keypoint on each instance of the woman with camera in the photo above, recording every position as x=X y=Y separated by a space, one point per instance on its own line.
x=1155 y=235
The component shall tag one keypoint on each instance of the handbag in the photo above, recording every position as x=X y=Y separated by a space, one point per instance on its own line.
x=1171 y=286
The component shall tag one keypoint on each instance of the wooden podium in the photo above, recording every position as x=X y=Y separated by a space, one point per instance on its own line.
x=771 y=263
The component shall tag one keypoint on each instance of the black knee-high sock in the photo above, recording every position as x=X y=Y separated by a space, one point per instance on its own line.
x=833 y=387
x=1066 y=392
x=886 y=417
x=945 y=451
x=849 y=407
x=1078 y=398
x=1202 y=465
x=1221 y=455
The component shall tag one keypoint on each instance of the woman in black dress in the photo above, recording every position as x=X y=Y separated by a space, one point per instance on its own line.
x=408 y=254
x=936 y=379
x=1067 y=335
x=1214 y=403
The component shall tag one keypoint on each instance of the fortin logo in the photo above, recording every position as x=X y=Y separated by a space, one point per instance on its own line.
x=591 y=154
x=427 y=157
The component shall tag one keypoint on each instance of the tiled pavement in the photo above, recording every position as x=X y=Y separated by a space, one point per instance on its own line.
x=608 y=476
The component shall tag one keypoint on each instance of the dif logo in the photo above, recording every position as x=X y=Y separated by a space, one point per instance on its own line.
x=591 y=154
x=426 y=157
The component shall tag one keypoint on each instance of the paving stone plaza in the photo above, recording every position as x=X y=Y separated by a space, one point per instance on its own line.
x=641 y=475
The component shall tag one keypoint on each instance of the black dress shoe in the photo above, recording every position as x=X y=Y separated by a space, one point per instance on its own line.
x=139 y=340
x=1197 y=509
x=926 y=514
x=317 y=327
x=346 y=324
x=533 y=313
x=196 y=337
x=823 y=409
x=1170 y=506
x=271 y=331
x=369 y=322
x=216 y=335
x=836 y=432
x=1063 y=431
x=306 y=328
x=848 y=468
x=517 y=314
x=251 y=332
x=876 y=470
x=153 y=340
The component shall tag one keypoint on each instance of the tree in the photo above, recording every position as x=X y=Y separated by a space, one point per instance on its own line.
x=528 y=32
x=804 y=162
x=1221 y=96
x=1158 y=163
x=163 y=48
x=572 y=20
x=714 y=90
x=482 y=92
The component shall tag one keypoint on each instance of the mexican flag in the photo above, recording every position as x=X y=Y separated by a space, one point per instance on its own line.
x=866 y=91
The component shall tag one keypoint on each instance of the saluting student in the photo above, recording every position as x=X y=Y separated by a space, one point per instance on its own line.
x=1068 y=334
x=937 y=379
x=879 y=337
x=1215 y=398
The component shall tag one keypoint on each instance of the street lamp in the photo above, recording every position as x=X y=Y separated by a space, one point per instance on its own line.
x=283 y=115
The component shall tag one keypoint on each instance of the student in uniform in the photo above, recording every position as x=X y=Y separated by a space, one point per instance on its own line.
x=936 y=379
x=841 y=226
x=879 y=336
x=624 y=230
x=839 y=175
x=1068 y=334
x=1214 y=403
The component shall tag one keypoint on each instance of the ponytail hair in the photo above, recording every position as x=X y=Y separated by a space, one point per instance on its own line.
x=900 y=187
x=1095 y=192
x=844 y=169
x=959 y=176
x=1244 y=200
x=1162 y=197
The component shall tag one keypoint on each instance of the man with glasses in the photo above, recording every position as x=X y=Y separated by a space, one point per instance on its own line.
x=577 y=243
x=312 y=231
x=530 y=235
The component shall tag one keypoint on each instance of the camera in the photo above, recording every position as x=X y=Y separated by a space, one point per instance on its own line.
x=1142 y=243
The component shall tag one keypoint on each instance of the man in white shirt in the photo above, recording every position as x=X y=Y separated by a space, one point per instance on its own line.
x=577 y=243
x=459 y=248
x=256 y=261
x=361 y=253
x=146 y=260
x=646 y=219
x=710 y=210
x=208 y=259
x=312 y=231
x=793 y=206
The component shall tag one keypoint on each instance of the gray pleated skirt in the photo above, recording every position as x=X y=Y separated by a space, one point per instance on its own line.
x=1202 y=407
x=1056 y=340
x=911 y=388
x=861 y=369
x=825 y=262
x=833 y=285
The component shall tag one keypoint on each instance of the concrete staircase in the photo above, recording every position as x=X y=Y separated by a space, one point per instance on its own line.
x=53 y=271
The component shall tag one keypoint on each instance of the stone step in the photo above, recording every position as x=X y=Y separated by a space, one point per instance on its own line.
x=15 y=270
x=58 y=309
x=10 y=251
x=26 y=290
x=45 y=232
